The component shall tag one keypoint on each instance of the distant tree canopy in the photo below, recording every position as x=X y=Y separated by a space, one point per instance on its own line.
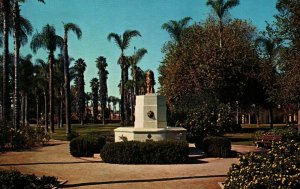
x=199 y=68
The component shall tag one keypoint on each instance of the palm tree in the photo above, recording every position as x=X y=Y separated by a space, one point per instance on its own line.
x=101 y=65
x=79 y=81
x=49 y=40
x=176 y=28
x=123 y=43
x=221 y=7
x=42 y=76
x=133 y=61
x=95 y=88
x=68 y=27
x=5 y=9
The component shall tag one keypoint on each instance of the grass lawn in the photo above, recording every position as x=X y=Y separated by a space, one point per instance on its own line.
x=245 y=137
x=60 y=133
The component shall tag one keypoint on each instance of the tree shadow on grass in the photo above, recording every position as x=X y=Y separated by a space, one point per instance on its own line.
x=140 y=180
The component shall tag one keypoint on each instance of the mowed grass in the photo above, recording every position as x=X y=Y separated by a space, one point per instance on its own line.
x=107 y=129
x=244 y=137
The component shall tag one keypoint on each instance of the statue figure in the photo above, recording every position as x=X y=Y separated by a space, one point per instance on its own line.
x=150 y=82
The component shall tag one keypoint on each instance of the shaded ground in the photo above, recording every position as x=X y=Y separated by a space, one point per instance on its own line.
x=55 y=160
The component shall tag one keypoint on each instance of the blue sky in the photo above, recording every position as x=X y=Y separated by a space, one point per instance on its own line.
x=97 y=18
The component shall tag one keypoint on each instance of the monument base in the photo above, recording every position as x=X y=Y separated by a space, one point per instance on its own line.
x=144 y=134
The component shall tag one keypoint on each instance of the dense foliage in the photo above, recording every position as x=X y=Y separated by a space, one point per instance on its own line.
x=24 y=137
x=279 y=168
x=217 y=146
x=286 y=134
x=134 y=152
x=86 y=146
x=16 y=180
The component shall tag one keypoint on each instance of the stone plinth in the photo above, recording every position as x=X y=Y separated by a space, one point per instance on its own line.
x=156 y=134
x=150 y=122
x=145 y=104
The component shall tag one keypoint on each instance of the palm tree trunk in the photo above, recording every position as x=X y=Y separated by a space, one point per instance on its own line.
x=220 y=33
x=46 y=112
x=23 y=108
x=26 y=109
x=16 y=65
x=61 y=107
x=37 y=110
x=5 y=93
x=67 y=86
x=51 y=91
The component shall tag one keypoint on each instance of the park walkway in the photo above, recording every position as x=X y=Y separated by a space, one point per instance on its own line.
x=55 y=160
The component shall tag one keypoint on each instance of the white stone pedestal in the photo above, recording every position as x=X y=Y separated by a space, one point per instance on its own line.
x=150 y=122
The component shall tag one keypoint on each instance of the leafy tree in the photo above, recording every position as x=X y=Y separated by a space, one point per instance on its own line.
x=95 y=88
x=76 y=29
x=49 y=40
x=198 y=68
x=220 y=7
x=123 y=43
x=101 y=65
x=80 y=67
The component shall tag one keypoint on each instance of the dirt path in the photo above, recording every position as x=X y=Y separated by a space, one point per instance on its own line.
x=55 y=160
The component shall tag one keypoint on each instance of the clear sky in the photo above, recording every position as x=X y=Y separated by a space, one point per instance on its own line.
x=97 y=18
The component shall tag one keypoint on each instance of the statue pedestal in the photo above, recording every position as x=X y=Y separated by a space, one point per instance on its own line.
x=150 y=122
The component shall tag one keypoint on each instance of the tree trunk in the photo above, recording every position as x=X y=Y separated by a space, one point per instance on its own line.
x=61 y=107
x=37 y=110
x=46 y=112
x=26 y=109
x=5 y=93
x=51 y=91
x=23 y=108
x=125 y=97
x=271 y=117
x=67 y=86
x=16 y=65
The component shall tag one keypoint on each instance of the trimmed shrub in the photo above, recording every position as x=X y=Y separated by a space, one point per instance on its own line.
x=279 y=168
x=286 y=133
x=15 y=180
x=152 y=152
x=217 y=146
x=86 y=146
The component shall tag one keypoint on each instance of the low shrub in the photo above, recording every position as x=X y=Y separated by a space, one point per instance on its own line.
x=217 y=146
x=72 y=135
x=152 y=152
x=16 y=180
x=286 y=133
x=86 y=146
x=279 y=168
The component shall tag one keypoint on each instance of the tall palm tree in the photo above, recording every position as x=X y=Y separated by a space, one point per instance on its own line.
x=5 y=9
x=68 y=27
x=133 y=61
x=221 y=7
x=80 y=67
x=95 y=88
x=42 y=76
x=123 y=43
x=176 y=28
x=101 y=65
x=49 y=40
x=22 y=28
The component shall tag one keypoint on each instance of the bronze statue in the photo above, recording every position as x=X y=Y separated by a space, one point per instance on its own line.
x=150 y=82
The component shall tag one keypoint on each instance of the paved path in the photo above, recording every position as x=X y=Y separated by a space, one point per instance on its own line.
x=55 y=160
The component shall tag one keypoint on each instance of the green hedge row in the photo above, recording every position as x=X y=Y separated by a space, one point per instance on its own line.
x=15 y=180
x=86 y=146
x=154 y=152
x=217 y=146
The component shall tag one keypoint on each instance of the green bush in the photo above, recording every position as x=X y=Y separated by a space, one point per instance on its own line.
x=286 y=133
x=217 y=146
x=16 y=180
x=86 y=146
x=152 y=152
x=279 y=168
